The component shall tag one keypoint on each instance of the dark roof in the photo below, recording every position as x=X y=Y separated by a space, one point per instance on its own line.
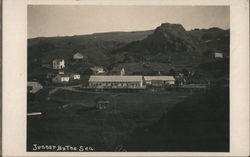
x=115 y=78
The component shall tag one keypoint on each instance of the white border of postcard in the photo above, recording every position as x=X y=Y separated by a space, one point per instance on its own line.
x=15 y=75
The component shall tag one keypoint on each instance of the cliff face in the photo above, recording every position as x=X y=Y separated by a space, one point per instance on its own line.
x=170 y=38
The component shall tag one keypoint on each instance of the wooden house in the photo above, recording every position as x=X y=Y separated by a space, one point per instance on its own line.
x=102 y=104
x=58 y=64
x=79 y=57
x=61 y=78
x=98 y=70
x=33 y=87
x=75 y=77
x=217 y=54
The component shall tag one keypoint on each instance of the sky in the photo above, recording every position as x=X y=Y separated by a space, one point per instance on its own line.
x=63 y=20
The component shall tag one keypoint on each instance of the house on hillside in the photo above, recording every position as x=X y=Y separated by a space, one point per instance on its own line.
x=79 y=57
x=33 y=87
x=75 y=76
x=61 y=78
x=110 y=81
x=58 y=64
x=159 y=80
x=60 y=72
x=217 y=54
x=98 y=70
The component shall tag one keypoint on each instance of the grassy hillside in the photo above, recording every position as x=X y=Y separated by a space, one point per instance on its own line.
x=199 y=123
x=96 y=47
x=102 y=129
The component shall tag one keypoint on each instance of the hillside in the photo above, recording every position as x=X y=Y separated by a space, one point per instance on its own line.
x=170 y=42
x=64 y=47
x=124 y=37
x=198 y=124
x=169 y=45
x=95 y=46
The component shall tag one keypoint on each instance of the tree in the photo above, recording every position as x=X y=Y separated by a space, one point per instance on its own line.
x=185 y=72
x=172 y=72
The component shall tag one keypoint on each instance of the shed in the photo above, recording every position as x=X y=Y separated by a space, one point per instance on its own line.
x=98 y=70
x=61 y=78
x=102 y=104
x=218 y=55
x=79 y=56
x=34 y=87
x=75 y=76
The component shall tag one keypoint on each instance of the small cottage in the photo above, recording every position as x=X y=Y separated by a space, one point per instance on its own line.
x=75 y=76
x=61 y=72
x=61 y=78
x=34 y=87
x=218 y=55
x=102 y=104
x=98 y=70
x=58 y=64
x=78 y=56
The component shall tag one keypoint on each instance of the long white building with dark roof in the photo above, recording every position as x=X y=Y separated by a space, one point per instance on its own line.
x=110 y=81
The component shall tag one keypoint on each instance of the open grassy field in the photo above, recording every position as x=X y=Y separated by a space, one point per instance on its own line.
x=104 y=130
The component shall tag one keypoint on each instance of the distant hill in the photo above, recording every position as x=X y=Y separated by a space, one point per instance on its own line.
x=124 y=37
x=96 y=46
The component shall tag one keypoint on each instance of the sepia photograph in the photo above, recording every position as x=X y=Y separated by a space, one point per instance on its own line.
x=128 y=78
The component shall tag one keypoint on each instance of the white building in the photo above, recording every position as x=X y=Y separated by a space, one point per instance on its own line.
x=159 y=80
x=115 y=81
x=218 y=55
x=61 y=72
x=79 y=56
x=61 y=78
x=76 y=76
x=34 y=87
x=98 y=70
x=58 y=64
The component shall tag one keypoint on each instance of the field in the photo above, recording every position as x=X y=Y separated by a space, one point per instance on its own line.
x=82 y=124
